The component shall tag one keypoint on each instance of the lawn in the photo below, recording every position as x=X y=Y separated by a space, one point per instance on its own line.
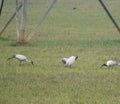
x=85 y=31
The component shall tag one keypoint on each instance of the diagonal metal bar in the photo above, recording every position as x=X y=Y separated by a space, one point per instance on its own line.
x=1 y=6
x=41 y=20
x=110 y=16
x=10 y=19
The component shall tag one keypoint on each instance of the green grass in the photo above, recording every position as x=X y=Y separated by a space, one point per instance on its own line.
x=86 y=32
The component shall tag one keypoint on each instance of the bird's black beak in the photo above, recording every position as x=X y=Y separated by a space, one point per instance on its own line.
x=9 y=58
x=13 y=56
x=32 y=62
x=76 y=58
x=103 y=65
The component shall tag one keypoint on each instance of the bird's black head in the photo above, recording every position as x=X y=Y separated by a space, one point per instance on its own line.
x=64 y=62
x=14 y=55
x=76 y=57
x=103 y=65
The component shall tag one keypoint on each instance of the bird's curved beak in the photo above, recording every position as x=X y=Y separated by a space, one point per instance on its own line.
x=103 y=65
x=9 y=58
x=32 y=62
x=76 y=58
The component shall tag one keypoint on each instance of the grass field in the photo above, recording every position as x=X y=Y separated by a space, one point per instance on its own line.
x=86 y=31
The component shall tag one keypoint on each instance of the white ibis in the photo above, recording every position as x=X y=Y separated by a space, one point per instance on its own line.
x=69 y=61
x=110 y=63
x=20 y=58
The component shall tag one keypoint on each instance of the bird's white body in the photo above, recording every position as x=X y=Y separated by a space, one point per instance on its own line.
x=69 y=61
x=111 y=63
x=21 y=58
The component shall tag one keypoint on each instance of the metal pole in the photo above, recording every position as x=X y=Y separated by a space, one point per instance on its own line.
x=17 y=22
x=110 y=16
x=23 y=24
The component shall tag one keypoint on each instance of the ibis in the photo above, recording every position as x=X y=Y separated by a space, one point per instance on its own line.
x=21 y=58
x=110 y=63
x=69 y=61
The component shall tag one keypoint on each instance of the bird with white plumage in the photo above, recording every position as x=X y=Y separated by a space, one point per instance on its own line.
x=21 y=58
x=69 y=61
x=110 y=63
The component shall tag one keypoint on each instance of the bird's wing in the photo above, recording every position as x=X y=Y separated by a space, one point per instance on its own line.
x=21 y=57
x=64 y=60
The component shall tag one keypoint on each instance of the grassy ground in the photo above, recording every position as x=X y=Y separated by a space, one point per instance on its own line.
x=85 y=31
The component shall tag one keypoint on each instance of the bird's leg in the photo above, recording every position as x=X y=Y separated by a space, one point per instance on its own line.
x=20 y=63
x=70 y=66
